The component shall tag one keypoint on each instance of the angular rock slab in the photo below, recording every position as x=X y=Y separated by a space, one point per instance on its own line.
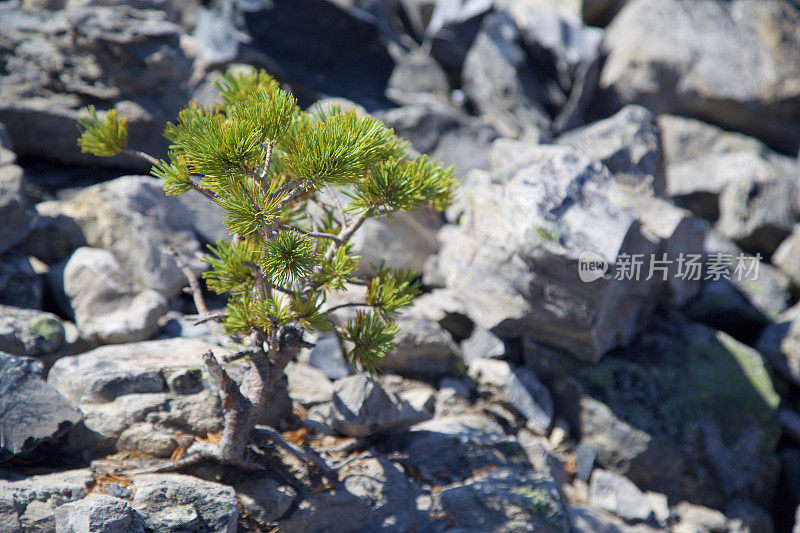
x=514 y=261
x=628 y=144
x=169 y=502
x=361 y=407
x=32 y=410
x=108 y=372
x=734 y=63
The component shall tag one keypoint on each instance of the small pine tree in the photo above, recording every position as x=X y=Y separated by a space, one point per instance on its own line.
x=275 y=171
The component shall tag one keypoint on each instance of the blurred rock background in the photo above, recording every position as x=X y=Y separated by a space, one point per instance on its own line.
x=519 y=397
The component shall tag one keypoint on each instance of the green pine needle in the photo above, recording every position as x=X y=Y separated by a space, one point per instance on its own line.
x=289 y=256
x=372 y=337
x=104 y=137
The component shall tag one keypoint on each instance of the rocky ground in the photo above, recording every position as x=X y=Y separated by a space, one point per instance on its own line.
x=519 y=397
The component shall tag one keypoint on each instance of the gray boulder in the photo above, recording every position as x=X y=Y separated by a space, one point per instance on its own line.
x=32 y=411
x=97 y=512
x=29 y=504
x=405 y=241
x=308 y=385
x=142 y=396
x=780 y=343
x=680 y=58
x=30 y=332
x=559 y=41
x=107 y=56
x=628 y=144
x=747 y=190
x=682 y=236
x=175 y=502
x=92 y=289
x=361 y=407
x=506 y=90
x=616 y=494
x=514 y=260
x=481 y=344
x=133 y=218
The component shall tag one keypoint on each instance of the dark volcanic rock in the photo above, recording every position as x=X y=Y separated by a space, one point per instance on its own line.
x=31 y=411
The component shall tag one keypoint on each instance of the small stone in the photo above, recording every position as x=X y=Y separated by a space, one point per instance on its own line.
x=96 y=513
x=618 y=495
x=176 y=501
x=361 y=407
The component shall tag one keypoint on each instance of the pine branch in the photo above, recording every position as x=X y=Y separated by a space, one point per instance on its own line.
x=315 y=234
x=141 y=155
x=332 y=193
x=349 y=304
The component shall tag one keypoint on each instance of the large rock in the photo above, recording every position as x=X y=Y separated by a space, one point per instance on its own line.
x=787 y=256
x=749 y=191
x=92 y=289
x=170 y=502
x=659 y=412
x=734 y=63
x=614 y=493
x=361 y=407
x=504 y=87
x=417 y=77
x=628 y=144
x=514 y=260
x=355 y=65
x=141 y=396
x=29 y=504
x=57 y=62
x=559 y=41
x=405 y=241
x=29 y=332
x=132 y=217
x=32 y=411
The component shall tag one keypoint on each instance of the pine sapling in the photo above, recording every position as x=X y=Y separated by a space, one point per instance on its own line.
x=279 y=174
